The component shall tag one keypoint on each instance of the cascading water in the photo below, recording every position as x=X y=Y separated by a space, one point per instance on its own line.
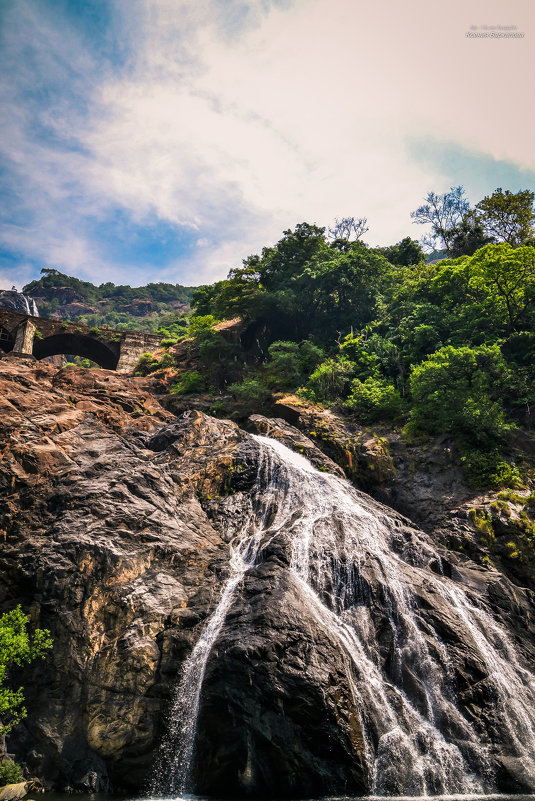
x=17 y=301
x=417 y=741
x=31 y=306
x=172 y=772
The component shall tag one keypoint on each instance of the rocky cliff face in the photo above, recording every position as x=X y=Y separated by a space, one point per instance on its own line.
x=16 y=301
x=117 y=520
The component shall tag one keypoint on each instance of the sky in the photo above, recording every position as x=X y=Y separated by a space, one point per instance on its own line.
x=167 y=140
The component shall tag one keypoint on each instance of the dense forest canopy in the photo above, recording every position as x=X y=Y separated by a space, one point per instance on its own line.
x=121 y=307
x=441 y=346
x=90 y=293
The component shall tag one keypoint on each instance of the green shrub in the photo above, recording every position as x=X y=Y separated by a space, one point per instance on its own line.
x=329 y=381
x=147 y=363
x=17 y=647
x=10 y=773
x=251 y=391
x=166 y=343
x=167 y=360
x=460 y=390
x=506 y=475
x=482 y=520
x=80 y=361
x=204 y=322
x=291 y=362
x=217 y=409
x=355 y=349
x=374 y=399
x=485 y=469
x=189 y=383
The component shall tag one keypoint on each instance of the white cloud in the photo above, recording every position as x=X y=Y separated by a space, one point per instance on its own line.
x=237 y=125
x=305 y=115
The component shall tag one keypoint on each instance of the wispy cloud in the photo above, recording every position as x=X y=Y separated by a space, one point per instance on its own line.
x=150 y=139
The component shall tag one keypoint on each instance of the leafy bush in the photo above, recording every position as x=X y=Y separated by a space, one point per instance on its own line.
x=354 y=348
x=202 y=323
x=218 y=358
x=167 y=360
x=460 y=390
x=147 y=363
x=374 y=399
x=251 y=391
x=291 y=362
x=10 y=773
x=488 y=469
x=80 y=361
x=17 y=647
x=217 y=409
x=189 y=383
x=329 y=381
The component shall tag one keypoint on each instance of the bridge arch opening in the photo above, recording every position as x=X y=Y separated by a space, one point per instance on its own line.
x=7 y=341
x=77 y=345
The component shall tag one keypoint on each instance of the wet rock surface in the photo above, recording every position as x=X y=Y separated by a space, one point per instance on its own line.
x=424 y=480
x=277 y=428
x=277 y=709
x=116 y=523
x=16 y=301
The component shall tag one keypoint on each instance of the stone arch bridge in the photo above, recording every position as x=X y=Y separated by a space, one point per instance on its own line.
x=40 y=337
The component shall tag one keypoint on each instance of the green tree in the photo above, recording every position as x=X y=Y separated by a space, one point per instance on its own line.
x=287 y=260
x=374 y=399
x=17 y=647
x=303 y=288
x=291 y=363
x=471 y=300
x=203 y=297
x=468 y=236
x=508 y=217
x=218 y=358
x=505 y=277
x=341 y=291
x=406 y=252
x=460 y=390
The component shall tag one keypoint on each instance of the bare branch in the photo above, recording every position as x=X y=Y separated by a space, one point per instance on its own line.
x=349 y=228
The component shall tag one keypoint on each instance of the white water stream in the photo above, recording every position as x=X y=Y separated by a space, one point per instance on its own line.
x=29 y=305
x=417 y=741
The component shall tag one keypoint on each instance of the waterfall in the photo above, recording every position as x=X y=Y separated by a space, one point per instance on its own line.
x=172 y=771
x=417 y=741
x=17 y=301
x=30 y=306
x=33 y=311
